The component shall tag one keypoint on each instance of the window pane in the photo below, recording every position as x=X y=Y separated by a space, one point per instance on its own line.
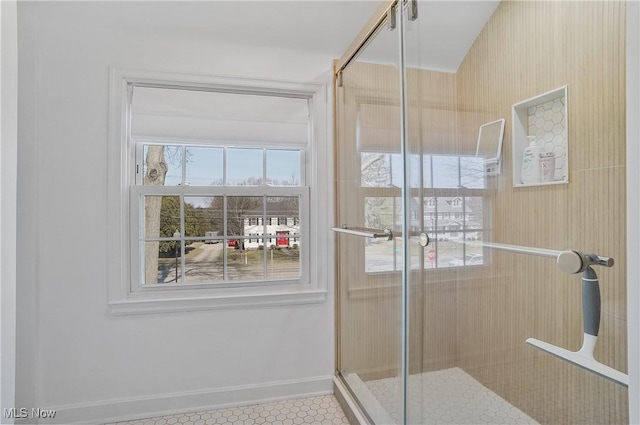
x=244 y=264
x=445 y=171
x=378 y=212
x=430 y=213
x=284 y=261
x=426 y=171
x=414 y=170
x=162 y=262
x=283 y=168
x=450 y=217
x=204 y=166
x=375 y=169
x=396 y=170
x=161 y=216
x=431 y=252
x=244 y=167
x=203 y=216
x=283 y=217
x=472 y=173
x=204 y=262
x=474 y=217
x=449 y=253
x=242 y=212
x=162 y=165
x=379 y=254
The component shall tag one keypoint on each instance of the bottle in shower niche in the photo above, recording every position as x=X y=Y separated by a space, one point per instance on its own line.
x=530 y=171
x=547 y=166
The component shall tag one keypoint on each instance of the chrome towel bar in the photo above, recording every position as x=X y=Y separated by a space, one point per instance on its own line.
x=570 y=261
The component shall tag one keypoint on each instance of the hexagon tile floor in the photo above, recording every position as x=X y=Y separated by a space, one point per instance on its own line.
x=316 y=410
x=449 y=396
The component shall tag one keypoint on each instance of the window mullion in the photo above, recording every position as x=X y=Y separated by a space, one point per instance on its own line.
x=224 y=167
x=183 y=248
x=183 y=162
x=225 y=247
x=264 y=167
x=264 y=233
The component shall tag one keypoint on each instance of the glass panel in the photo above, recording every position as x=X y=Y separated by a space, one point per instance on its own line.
x=283 y=217
x=162 y=165
x=284 y=261
x=202 y=216
x=379 y=253
x=243 y=213
x=431 y=251
x=474 y=217
x=161 y=217
x=369 y=122
x=446 y=171
x=244 y=264
x=473 y=308
x=472 y=172
x=204 y=166
x=375 y=169
x=396 y=170
x=244 y=167
x=449 y=253
x=283 y=168
x=426 y=172
x=204 y=262
x=162 y=262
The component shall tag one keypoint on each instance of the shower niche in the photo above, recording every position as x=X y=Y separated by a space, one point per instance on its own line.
x=543 y=120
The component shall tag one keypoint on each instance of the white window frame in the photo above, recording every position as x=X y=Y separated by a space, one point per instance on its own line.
x=126 y=296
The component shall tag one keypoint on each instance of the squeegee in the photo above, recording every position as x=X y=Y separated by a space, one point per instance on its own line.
x=576 y=262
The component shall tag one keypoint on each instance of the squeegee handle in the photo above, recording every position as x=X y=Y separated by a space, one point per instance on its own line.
x=590 y=302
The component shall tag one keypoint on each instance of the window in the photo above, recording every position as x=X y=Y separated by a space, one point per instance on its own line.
x=211 y=192
x=185 y=230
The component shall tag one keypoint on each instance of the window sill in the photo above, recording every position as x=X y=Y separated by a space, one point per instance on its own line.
x=145 y=305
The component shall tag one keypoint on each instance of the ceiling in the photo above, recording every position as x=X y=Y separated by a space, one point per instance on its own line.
x=438 y=40
x=445 y=29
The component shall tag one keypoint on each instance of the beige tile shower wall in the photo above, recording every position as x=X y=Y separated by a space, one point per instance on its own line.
x=528 y=48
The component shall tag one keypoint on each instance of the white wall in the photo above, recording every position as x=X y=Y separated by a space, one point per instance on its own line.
x=73 y=355
x=8 y=175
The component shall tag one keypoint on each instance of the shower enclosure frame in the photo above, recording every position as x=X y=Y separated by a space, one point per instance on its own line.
x=632 y=193
x=633 y=206
x=389 y=12
x=359 y=43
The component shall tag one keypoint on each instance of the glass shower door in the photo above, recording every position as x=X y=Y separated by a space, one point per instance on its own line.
x=544 y=73
x=369 y=176
x=505 y=151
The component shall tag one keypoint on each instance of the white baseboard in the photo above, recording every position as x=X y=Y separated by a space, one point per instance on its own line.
x=193 y=401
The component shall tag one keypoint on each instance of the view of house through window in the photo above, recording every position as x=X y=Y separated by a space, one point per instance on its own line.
x=448 y=216
x=218 y=210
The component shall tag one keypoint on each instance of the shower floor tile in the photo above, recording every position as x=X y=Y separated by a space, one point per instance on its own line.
x=449 y=396
x=315 y=410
